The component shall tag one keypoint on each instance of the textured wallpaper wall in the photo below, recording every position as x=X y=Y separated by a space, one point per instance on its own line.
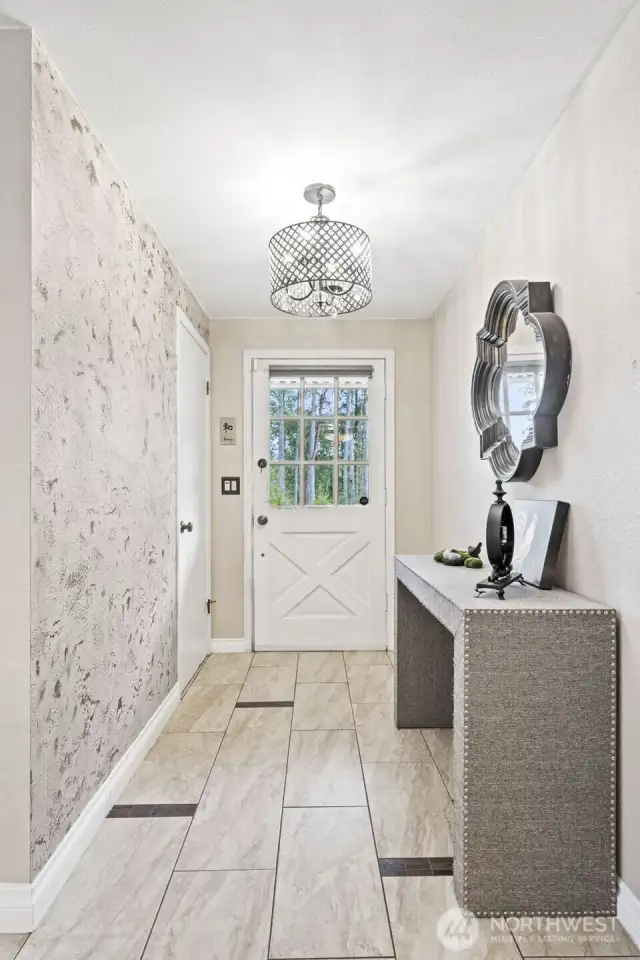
x=572 y=220
x=104 y=463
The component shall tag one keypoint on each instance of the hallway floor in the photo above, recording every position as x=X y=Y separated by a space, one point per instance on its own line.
x=280 y=815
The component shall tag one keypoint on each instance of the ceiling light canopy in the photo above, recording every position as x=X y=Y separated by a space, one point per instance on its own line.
x=320 y=268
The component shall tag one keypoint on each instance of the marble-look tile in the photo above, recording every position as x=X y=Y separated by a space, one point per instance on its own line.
x=225 y=668
x=416 y=906
x=268 y=683
x=410 y=809
x=206 y=708
x=113 y=894
x=275 y=658
x=366 y=658
x=107 y=947
x=324 y=770
x=556 y=937
x=380 y=740
x=175 y=770
x=214 y=916
x=322 y=706
x=328 y=900
x=10 y=943
x=372 y=684
x=323 y=666
x=237 y=823
x=256 y=735
x=440 y=743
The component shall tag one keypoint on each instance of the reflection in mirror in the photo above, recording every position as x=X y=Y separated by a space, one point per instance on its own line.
x=521 y=381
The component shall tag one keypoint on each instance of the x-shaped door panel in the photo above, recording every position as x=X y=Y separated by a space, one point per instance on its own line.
x=322 y=574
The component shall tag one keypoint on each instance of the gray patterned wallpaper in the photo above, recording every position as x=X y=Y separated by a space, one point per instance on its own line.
x=104 y=463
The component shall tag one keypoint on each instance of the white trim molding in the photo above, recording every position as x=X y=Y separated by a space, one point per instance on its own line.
x=23 y=905
x=239 y=645
x=629 y=911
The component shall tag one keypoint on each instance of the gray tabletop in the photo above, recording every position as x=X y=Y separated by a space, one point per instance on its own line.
x=449 y=591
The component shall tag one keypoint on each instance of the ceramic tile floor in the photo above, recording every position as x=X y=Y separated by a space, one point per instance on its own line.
x=295 y=807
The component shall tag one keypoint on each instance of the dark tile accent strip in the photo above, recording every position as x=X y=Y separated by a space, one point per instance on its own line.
x=442 y=866
x=153 y=810
x=416 y=866
x=265 y=703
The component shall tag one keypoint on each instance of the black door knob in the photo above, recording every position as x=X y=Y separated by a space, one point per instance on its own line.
x=186 y=526
x=262 y=520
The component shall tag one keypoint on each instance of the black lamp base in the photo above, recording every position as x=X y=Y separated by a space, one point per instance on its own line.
x=500 y=584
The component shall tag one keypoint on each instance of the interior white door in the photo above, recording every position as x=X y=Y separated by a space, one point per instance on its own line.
x=194 y=627
x=319 y=506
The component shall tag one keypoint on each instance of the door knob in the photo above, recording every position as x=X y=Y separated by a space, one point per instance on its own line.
x=262 y=520
x=186 y=526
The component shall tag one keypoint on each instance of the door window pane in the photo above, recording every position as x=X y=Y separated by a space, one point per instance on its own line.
x=284 y=439
x=319 y=397
x=354 y=439
x=284 y=397
x=284 y=485
x=353 y=483
x=318 y=485
x=319 y=441
x=352 y=400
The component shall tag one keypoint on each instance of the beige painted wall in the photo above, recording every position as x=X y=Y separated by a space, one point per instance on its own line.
x=572 y=220
x=411 y=341
x=15 y=429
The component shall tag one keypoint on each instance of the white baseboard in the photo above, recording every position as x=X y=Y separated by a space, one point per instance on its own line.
x=629 y=911
x=23 y=905
x=240 y=645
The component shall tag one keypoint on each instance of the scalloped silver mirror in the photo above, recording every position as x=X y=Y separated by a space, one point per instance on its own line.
x=520 y=378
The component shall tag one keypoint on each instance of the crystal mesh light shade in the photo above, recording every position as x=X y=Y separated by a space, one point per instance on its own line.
x=320 y=268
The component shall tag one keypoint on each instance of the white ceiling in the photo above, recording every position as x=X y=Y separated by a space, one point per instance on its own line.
x=422 y=113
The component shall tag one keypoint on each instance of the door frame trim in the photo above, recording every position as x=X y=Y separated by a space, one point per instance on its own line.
x=361 y=356
x=183 y=320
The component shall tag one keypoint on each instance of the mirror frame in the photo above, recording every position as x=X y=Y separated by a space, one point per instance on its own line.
x=534 y=301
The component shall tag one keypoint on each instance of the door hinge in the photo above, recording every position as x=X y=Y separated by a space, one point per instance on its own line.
x=209 y=602
x=386 y=602
x=207 y=388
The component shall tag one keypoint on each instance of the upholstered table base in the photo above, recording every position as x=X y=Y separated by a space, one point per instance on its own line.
x=534 y=717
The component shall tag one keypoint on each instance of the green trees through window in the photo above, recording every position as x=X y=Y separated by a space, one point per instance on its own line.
x=319 y=441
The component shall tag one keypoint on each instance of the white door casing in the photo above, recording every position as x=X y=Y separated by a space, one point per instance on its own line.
x=320 y=572
x=194 y=500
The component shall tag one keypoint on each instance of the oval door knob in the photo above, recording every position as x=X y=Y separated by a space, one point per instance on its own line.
x=186 y=526
x=262 y=520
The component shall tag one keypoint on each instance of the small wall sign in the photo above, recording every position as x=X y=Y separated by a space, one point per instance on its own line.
x=227 y=431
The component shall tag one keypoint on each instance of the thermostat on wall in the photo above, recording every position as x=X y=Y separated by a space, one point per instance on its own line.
x=230 y=486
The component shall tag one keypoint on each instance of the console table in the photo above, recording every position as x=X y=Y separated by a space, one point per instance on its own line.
x=529 y=686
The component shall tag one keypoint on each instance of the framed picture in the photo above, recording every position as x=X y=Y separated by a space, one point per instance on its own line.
x=538 y=529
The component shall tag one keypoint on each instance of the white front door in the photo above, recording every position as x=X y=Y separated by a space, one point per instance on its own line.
x=194 y=624
x=319 y=505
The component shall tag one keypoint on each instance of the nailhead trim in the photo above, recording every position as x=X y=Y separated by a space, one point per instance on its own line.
x=465 y=756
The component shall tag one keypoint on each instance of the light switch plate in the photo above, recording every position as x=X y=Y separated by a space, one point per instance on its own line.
x=230 y=486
